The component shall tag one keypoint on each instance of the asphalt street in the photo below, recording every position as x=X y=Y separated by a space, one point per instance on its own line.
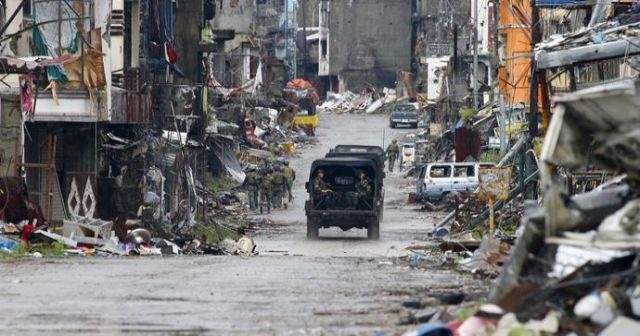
x=341 y=284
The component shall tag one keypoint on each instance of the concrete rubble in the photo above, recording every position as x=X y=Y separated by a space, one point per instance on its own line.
x=209 y=212
x=368 y=101
x=569 y=265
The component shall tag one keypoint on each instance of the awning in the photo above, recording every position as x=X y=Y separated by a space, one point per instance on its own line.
x=25 y=65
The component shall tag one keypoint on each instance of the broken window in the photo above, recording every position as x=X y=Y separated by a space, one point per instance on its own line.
x=323 y=49
x=440 y=171
x=465 y=171
x=26 y=9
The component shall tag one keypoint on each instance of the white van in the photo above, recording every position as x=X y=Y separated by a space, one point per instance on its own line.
x=438 y=179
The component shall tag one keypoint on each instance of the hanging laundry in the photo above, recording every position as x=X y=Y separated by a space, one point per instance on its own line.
x=26 y=96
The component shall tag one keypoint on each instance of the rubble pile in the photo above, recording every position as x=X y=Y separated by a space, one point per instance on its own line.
x=573 y=268
x=368 y=101
x=153 y=201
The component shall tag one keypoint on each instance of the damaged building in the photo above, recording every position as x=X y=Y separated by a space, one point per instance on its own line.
x=347 y=50
x=133 y=115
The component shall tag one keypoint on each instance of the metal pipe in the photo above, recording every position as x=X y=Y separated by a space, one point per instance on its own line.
x=475 y=54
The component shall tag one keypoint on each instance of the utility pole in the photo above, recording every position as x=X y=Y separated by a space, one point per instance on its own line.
x=286 y=40
x=503 y=124
x=305 y=53
x=475 y=53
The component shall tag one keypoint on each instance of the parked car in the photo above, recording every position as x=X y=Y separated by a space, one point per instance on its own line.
x=404 y=114
x=438 y=179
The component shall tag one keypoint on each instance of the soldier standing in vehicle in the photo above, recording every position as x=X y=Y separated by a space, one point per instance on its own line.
x=363 y=187
x=290 y=176
x=265 y=189
x=321 y=189
x=252 y=184
x=363 y=190
x=393 y=151
x=279 y=182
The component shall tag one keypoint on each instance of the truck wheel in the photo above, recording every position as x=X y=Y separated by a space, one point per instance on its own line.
x=414 y=125
x=312 y=229
x=373 y=232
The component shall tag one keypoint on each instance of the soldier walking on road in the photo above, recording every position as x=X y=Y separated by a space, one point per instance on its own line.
x=393 y=151
x=265 y=190
x=252 y=184
x=279 y=182
x=290 y=176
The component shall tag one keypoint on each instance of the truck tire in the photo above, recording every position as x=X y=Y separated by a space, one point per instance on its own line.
x=312 y=229
x=373 y=231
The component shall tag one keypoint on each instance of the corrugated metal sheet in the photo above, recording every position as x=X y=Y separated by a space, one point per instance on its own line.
x=561 y=3
x=131 y=105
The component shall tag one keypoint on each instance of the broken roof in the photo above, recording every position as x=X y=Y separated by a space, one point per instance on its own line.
x=25 y=65
x=601 y=121
x=604 y=41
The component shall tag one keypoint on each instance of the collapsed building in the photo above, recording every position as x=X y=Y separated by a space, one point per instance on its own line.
x=117 y=110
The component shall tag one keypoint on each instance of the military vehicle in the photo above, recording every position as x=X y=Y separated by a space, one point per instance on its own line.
x=340 y=206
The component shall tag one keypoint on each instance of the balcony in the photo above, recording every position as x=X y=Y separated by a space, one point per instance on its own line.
x=70 y=106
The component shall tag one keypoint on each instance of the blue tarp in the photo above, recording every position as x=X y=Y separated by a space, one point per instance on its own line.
x=459 y=124
x=158 y=27
x=560 y=3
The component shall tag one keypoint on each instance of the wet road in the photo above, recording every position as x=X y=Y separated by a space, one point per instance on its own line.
x=341 y=284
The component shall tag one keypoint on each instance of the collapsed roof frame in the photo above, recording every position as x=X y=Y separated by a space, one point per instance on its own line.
x=587 y=53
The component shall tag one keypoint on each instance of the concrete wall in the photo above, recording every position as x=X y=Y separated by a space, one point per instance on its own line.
x=308 y=12
x=236 y=15
x=10 y=134
x=436 y=19
x=186 y=30
x=369 y=39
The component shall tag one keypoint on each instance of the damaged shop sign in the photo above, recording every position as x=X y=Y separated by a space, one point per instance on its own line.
x=493 y=185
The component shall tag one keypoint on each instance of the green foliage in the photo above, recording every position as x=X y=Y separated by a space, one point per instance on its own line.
x=207 y=116
x=53 y=250
x=219 y=183
x=468 y=311
x=467 y=113
x=490 y=156
x=214 y=232
x=478 y=232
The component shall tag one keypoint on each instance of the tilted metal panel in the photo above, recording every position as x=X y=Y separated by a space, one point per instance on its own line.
x=562 y=3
